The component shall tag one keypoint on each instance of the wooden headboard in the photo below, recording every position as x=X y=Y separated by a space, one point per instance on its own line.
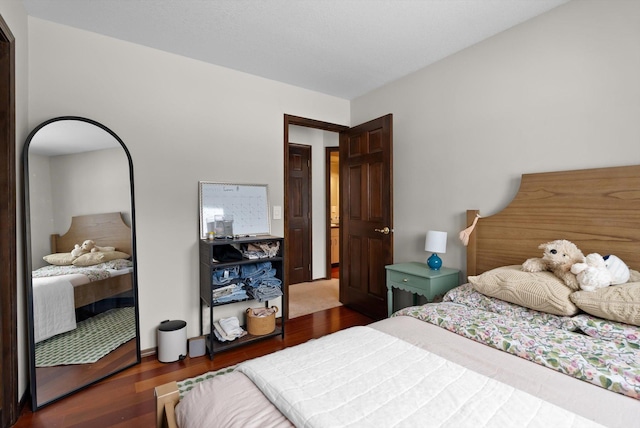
x=107 y=230
x=597 y=209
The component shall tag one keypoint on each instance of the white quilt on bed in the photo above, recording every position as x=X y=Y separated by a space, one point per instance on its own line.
x=53 y=307
x=361 y=377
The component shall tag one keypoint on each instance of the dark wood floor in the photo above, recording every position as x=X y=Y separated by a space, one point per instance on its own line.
x=126 y=399
x=335 y=272
x=59 y=380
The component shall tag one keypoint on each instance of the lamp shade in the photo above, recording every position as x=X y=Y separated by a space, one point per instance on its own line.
x=436 y=242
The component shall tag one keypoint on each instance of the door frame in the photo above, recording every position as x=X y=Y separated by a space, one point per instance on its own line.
x=327 y=196
x=8 y=278
x=309 y=123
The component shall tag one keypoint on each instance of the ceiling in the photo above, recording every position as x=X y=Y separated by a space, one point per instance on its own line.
x=343 y=48
x=64 y=137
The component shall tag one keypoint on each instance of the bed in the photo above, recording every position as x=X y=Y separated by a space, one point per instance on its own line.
x=539 y=355
x=62 y=287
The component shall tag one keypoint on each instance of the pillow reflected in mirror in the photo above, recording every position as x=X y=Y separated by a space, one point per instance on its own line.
x=59 y=259
x=91 y=259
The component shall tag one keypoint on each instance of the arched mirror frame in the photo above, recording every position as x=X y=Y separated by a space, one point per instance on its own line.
x=29 y=265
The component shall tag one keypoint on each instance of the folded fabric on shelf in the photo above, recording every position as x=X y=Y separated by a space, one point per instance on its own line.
x=240 y=282
x=260 y=250
x=270 y=248
x=225 y=254
x=220 y=334
x=231 y=326
x=235 y=292
x=223 y=291
x=228 y=329
x=266 y=289
x=252 y=252
x=224 y=276
x=257 y=271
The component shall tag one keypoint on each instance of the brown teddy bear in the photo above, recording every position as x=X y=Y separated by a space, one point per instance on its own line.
x=558 y=257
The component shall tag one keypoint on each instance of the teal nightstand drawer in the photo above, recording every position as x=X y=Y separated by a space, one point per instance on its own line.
x=418 y=279
x=402 y=278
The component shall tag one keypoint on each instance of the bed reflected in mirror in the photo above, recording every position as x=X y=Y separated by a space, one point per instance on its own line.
x=80 y=265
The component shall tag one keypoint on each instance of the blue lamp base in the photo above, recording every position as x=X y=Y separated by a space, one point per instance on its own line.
x=434 y=262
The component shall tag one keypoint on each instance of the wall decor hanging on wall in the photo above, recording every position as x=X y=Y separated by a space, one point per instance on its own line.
x=246 y=204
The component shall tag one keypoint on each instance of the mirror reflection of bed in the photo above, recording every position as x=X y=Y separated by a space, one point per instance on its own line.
x=82 y=304
x=103 y=338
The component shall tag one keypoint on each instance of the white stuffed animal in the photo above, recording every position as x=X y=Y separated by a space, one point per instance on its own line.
x=593 y=273
x=78 y=251
x=619 y=270
x=90 y=246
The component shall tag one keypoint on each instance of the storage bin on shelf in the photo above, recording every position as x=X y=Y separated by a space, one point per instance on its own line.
x=261 y=321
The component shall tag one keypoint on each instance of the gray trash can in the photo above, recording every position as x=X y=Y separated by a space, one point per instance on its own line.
x=172 y=341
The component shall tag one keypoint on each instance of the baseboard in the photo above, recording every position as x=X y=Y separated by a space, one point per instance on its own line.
x=22 y=403
x=154 y=351
x=148 y=352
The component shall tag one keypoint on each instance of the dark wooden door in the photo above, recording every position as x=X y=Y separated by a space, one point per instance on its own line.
x=9 y=402
x=366 y=213
x=299 y=214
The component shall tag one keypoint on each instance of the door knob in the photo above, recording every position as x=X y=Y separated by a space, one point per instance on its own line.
x=384 y=230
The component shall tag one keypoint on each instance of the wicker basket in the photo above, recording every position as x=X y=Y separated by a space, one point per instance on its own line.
x=260 y=325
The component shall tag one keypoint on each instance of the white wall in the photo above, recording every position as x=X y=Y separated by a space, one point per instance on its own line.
x=559 y=92
x=41 y=221
x=15 y=16
x=88 y=183
x=64 y=186
x=183 y=121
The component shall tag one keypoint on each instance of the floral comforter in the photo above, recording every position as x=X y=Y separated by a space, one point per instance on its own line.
x=602 y=352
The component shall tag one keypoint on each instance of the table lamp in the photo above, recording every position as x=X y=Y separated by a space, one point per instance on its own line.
x=436 y=242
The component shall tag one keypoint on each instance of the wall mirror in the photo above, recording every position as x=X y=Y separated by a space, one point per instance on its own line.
x=82 y=305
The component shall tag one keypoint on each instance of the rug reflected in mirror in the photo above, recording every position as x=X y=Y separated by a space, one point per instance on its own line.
x=309 y=297
x=94 y=338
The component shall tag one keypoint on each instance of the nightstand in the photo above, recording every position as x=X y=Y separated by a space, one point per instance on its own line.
x=419 y=279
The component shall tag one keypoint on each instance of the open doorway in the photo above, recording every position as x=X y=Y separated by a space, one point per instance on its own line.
x=320 y=291
x=366 y=211
x=332 y=198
